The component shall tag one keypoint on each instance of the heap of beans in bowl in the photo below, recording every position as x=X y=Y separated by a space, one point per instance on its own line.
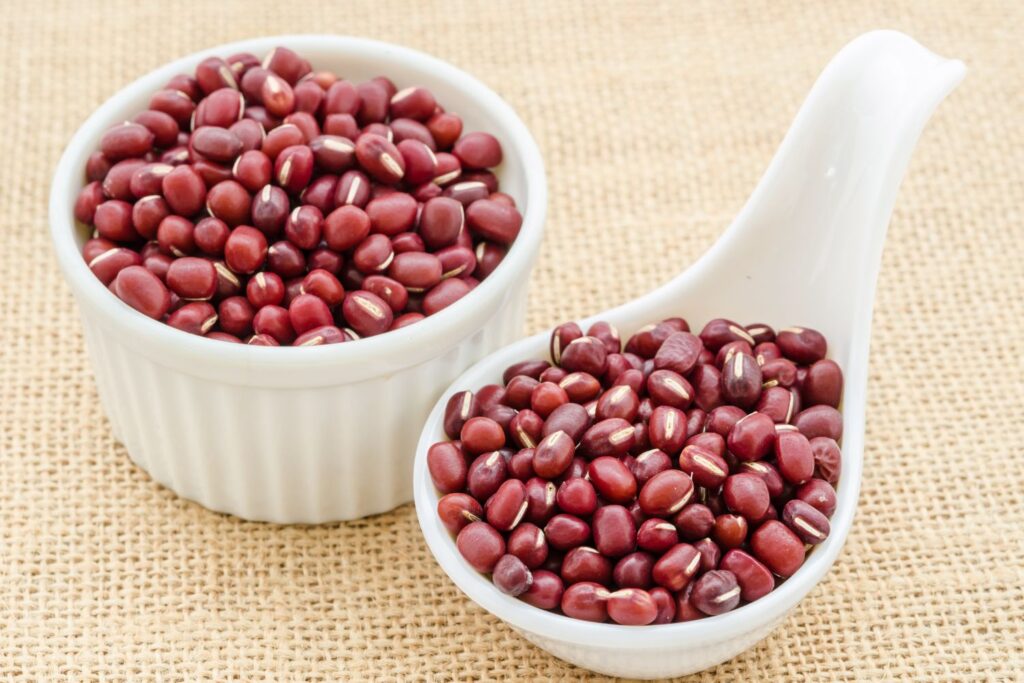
x=676 y=477
x=270 y=203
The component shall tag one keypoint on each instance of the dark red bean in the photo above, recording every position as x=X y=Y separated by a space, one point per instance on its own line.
x=390 y=291
x=586 y=564
x=380 y=158
x=754 y=579
x=614 y=531
x=613 y=436
x=494 y=221
x=632 y=607
x=805 y=521
x=781 y=372
x=478 y=150
x=676 y=567
x=235 y=316
x=802 y=344
x=113 y=221
x=506 y=507
x=107 y=264
x=210 y=235
x=667 y=429
x=717 y=592
x=612 y=479
x=293 y=168
x=553 y=454
x=197 y=317
x=570 y=418
x=667 y=387
x=719 y=332
x=827 y=459
x=823 y=384
x=445 y=128
x=126 y=140
x=794 y=457
x=751 y=437
x=147 y=180
x=705 y=467
x=545 y=592
x=779 y=403
x=695 y=521
x=308 y=312
x=634 y=570
x=444 y=294
x=778 y=548
x=722 y=419
x=746 y=494
x=540 y=496
x=648 y=464
x=511 y=576
x=192 y=278
x=666 y=493
x=117 y=182
x=245 y=250
x=184 y=191
x=417 y=271
x=768 y=474
x=818 y=494
x=481 y=434
x=481 y=546
x=730 y=531
x=564 y=532
x=143 y=291
x=820 y=420
x=657 y=535
x=275 y=322
x=587 y=601
x=457 y=510
x=215 y=143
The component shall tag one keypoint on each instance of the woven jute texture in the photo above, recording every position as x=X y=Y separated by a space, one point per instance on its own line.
x=655 y=121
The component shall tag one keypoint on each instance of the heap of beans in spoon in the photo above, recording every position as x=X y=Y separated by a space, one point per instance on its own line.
x=676 y=477
x=269 y=203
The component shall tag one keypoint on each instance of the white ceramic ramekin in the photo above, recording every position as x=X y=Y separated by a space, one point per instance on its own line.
x=296 y=434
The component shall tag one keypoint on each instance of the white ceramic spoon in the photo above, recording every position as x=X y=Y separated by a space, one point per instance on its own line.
x=805 y=250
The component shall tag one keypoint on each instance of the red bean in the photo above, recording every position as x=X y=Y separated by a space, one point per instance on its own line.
x=586 y=564
x=716 y=592
x=113 y=221
x=634 y=570
x=751 y=437
x=676 y=567
x=197 y=317
x=819 y=494
x=545 y=592
x=481 y=546
x=478 y=150
x=184 y=191
x=614 y=531
x=566 y=531
x=778 y=548
x=794 y=457
x=802 y=344
x=444 y=294
x=511 y=576
x=587 y=601
x=494 y=221
x=827 y=459
x=576 y=496
x=666 y=493
x=820 y=420
x=380 y=158
x=107 y=264
x=746 y=494
x=192 y=278
x=245 y=250
x=527 y=542
x=126 y=140
x=143 y=291
x=612 y=479
x=275 y=322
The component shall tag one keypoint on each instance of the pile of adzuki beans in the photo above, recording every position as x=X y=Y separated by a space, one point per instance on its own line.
x=269 y=203
x=668 y=480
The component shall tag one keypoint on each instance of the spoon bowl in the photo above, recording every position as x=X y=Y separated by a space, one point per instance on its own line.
x=805 y=250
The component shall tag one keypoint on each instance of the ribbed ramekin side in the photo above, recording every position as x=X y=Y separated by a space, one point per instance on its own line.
x=283 y=455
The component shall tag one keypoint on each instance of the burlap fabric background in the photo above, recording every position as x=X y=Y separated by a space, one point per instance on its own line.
x=655 y=121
